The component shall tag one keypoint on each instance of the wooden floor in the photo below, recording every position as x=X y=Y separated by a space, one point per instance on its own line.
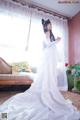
x=75 y=98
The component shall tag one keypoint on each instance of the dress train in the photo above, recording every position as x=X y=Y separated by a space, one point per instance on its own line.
x=43 y=100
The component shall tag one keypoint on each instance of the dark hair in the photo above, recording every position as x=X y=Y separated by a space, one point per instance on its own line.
x=45 y=23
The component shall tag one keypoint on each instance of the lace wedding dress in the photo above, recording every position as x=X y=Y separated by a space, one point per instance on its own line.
x=42 y=101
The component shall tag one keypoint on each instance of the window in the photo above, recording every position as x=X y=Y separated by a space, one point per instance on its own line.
x=14 y=28
x=21 y=27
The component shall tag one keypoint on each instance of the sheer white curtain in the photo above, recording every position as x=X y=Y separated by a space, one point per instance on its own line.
x=35 y=39
x=14 y=28
x=60 y=29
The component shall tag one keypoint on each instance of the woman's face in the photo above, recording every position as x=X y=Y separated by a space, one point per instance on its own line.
x=49 y=26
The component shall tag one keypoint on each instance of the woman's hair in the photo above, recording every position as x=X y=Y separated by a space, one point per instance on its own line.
x=45 y=23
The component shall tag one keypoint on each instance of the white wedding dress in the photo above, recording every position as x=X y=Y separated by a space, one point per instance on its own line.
x=42 y=101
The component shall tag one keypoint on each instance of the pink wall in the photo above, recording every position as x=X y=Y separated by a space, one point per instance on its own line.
x=74 y=39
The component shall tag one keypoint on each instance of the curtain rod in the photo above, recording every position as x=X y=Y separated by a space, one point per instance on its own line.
x=33 y=5
x=47 y=11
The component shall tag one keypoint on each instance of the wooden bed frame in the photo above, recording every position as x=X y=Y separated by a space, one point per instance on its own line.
x=16 y=80
x=7 y=78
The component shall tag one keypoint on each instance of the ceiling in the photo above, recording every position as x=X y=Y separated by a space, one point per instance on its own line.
x=66 y=9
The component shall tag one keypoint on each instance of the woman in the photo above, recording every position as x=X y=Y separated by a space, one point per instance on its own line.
x=42 y=101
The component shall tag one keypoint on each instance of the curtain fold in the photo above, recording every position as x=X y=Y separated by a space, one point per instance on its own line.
x=14 y=29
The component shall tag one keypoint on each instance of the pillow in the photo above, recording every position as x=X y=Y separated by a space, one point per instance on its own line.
x=5 y=68
x=20 y=67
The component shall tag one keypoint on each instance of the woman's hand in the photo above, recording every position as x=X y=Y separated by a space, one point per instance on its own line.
x=58 y=39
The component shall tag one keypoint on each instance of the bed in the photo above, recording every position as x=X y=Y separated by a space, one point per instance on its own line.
x=8 y=78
